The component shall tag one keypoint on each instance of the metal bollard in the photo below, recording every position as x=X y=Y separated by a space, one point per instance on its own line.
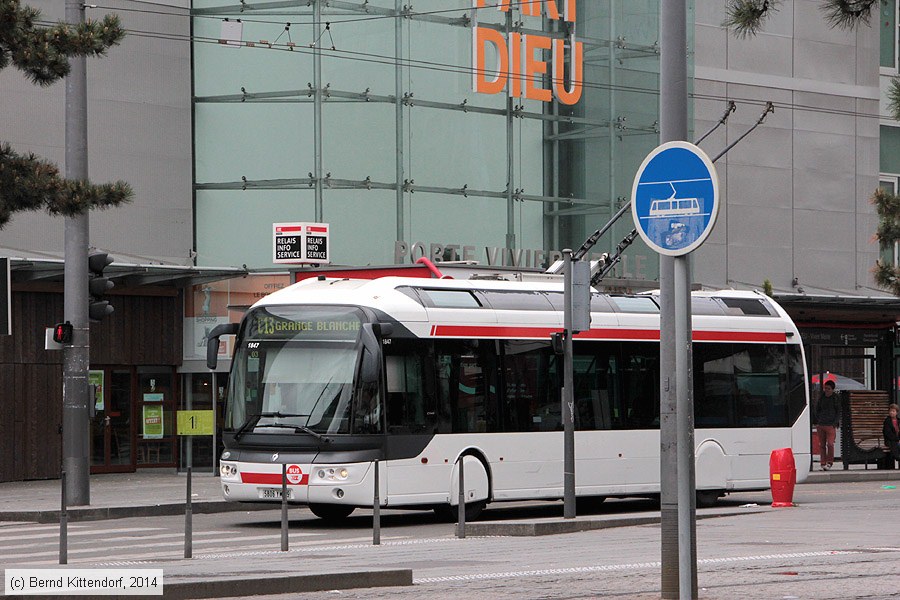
x=284 y=509
x=461 y=525
x=188 y=519
x=63 y=525
x=376 y=510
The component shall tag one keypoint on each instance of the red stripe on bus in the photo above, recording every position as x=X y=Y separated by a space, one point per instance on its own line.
x=606 y=334
x=740 y=336
x=270 y=478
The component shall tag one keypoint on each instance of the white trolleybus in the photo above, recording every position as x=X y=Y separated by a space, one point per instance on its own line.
x=329 y=375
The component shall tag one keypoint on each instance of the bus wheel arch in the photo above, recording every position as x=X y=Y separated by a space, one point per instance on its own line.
x=711 y=472
x=478 y=484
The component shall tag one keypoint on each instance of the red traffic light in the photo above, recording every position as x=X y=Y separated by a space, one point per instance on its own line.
x=62 y=333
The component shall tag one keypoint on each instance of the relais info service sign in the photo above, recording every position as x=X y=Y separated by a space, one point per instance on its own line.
x=300 y=243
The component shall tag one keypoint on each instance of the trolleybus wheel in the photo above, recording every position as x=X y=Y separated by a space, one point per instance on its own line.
x=450 y=514
x=589 y=504
x=331 y=512
x=707 y=498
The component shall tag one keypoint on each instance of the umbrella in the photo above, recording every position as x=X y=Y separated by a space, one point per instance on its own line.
x=840 y=382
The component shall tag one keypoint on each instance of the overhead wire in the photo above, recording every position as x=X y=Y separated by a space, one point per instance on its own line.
x=401 y=15
x=380 y=59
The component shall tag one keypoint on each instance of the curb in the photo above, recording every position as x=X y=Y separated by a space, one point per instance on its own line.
x=850 y=476
x=556 y=527
x=227 y=588
x=123 y=512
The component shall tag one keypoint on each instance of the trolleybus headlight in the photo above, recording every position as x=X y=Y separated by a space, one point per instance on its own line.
x=333 y=474
x=227 y=470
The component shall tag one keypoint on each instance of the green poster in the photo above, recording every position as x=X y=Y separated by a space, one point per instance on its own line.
x=153 y=422
x=95 y=379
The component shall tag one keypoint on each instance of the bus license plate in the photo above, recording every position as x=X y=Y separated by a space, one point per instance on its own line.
x=268 y=493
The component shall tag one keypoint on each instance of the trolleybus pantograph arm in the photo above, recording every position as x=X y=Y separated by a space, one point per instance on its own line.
x=592 y=240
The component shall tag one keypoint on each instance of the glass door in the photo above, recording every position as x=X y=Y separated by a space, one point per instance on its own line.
x=156 y=415
x=197 y=449
x=112 y=432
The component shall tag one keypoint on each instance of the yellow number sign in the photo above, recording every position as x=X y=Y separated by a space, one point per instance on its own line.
x=195 y=422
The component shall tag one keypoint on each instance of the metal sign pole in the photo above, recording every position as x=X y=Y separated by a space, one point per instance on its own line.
x=568 y=394
x=63 y=524
x=188 y=518
x=687 y=498
x=461 y=495
x=677 y=507
x=284 y=509
x=376 y=509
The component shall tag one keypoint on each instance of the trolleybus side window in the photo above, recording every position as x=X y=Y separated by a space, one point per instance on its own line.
x=530 y=381
x=467 y=382
x=747 y=385
x=796 y=384
x=639 y=380
x=713 y=385
x=634 y=304
x=594 y=368
x=410 y=387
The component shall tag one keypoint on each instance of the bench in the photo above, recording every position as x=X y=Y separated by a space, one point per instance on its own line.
x=862 y=418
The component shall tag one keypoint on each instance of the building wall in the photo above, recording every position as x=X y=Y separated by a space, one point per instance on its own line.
x=795 y=192
x=456 y=161
x=143 y=331
x=139 y=130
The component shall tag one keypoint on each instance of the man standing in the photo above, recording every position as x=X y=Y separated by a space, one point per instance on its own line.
x=827 y=418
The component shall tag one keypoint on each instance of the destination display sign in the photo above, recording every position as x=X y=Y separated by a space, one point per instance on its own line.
x=304 y=324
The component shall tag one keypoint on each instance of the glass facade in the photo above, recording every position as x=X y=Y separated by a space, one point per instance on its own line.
x=377 y=121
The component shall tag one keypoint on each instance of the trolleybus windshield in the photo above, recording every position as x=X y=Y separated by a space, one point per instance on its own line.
x=294 y=371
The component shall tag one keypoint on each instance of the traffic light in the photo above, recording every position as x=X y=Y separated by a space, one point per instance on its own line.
x=98 y=285
x=62 y=333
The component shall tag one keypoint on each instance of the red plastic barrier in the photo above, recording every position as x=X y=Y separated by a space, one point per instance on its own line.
x=782 y=477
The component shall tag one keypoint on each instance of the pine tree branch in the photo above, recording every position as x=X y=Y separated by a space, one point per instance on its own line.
x=43 y=53
x=745 y=17
x=887 y=276
x=893 y=98
x=31 y=183
x=847 y=14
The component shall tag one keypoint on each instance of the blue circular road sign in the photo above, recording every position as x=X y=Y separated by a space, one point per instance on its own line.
x=675 y=198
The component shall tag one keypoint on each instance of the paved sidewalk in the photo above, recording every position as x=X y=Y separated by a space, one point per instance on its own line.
x=118 y=495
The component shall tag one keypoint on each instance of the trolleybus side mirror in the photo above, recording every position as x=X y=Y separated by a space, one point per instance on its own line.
x=383 y=330
x=371 y=357
x=212 y=342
